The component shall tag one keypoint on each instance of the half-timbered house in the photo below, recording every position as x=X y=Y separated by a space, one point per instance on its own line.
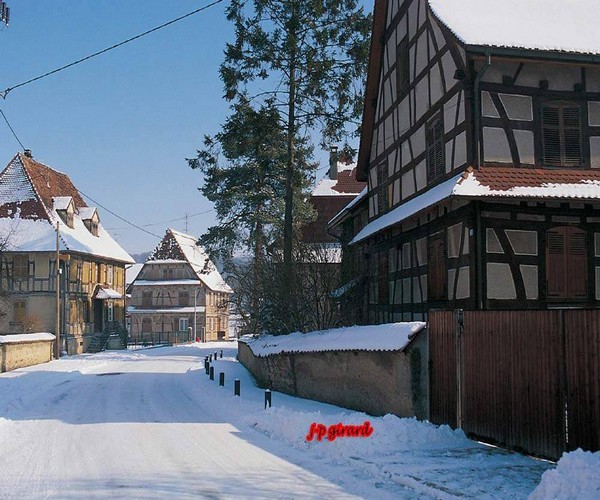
x=481 y=148
x=179 y=294
x=38 y=208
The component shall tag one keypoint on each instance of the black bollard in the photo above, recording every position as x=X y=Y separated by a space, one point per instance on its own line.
x=210 y=357
x=221 y=379
x=267 y=398
x=212 y=372
x=221 y=356
x=215 y=355
x=206 y=366
x=236 y=387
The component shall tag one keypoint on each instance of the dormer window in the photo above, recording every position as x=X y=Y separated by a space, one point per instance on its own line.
x=90 y=218
x=561 y=134
x=65 y=209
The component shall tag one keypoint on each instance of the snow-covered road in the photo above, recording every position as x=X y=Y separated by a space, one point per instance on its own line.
x=150 y=423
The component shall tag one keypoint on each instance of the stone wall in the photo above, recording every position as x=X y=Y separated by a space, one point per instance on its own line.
x=18 y=354
x=376 y=382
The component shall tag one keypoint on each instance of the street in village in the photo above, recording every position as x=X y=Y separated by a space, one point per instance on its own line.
x=150 y=423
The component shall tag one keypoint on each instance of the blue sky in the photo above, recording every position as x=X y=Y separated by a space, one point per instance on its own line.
x=122 y=124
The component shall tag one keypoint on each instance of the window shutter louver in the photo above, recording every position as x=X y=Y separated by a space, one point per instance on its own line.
x=436 y=163
x=561 y=124
x=577 y=268
x=555 y=263
x=566 y=263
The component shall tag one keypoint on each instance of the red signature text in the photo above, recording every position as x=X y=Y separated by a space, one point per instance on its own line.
x=332 y=432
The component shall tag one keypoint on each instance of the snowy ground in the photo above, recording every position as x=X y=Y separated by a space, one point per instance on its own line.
x=149 y=423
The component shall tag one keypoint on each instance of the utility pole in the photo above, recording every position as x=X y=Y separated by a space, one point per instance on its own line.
x=57 y=340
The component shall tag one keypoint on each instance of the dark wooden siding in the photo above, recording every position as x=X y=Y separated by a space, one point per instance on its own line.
x=442 y=368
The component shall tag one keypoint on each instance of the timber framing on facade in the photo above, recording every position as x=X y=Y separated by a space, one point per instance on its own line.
x=35 y=202
x=178 y=291
x=480 y=146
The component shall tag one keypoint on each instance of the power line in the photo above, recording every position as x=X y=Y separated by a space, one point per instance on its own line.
x=166 y=221
x=11 y=129
x=4 y=93
x=118 y=216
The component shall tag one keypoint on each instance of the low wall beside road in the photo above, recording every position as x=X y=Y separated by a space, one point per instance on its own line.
x=18 y=351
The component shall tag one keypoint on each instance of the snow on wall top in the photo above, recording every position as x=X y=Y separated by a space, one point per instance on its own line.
x=26 y=337
x=388 y=337
x=552 y=25
x=177 y=246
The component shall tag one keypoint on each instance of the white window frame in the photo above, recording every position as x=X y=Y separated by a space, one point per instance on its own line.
x=111 y=311
x=185 y=322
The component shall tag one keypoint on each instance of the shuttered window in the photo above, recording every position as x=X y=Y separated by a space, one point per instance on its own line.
x=20 y=266
x=561 y=124
x=146 y=325
x=436 y=271
x=566 y=264
x=184 y=299
x=382 y=278
x=146 y=299
x=383 y=188
x=402 y=69
x=436 y=162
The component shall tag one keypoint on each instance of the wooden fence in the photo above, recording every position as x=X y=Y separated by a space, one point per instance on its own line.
x=528 y=380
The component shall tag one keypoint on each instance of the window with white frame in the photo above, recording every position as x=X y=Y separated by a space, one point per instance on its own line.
x=184 y=324
x=109 y=274
x=111 y=311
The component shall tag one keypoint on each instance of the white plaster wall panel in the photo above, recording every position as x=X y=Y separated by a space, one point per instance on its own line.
x=495 y=145
x=388 y=132
x=597 y=283
x=564 y=79
x=393 y=260
x=423 y=12
x=422 y=91
x=461 y=108
x=421 y=251
x=373 y=148
x=403 y=116
x=398 y=293
x=437 y=88
x=462 y=54
x=449 y=149
x=498 y=70
x=372 y=206
x=387 y=91
x=406 y=291
x=592 y=76
x=373 y=178
x=465 y=248
x=393 y=162
x=492 y=242
x=392 y=11
x=421 y=175
x=523 y=242
x=406 y=256
x=487 y=106
x=439 y=36
x=408 y=185
x=530 y=280
x=396 y=194
x=417 y=294
x=424 y=287
x=595 y=152
x=454 y=235
x=406 y=156
x=417 y=141
x=500 y=283
x=449 y=67
x=460 y=151
x=413 y=21
x=597 y=244
x=421 y=49
x=463 y=287
x=450 y=113
x=594 y=113
x=518 y=107
x=525 y=146
x=401 y=30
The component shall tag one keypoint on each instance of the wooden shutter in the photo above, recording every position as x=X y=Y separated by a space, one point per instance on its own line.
x=382 y=278
x=436 y=164
x=402 y=69
x=436 y=273
x=561 y=134
x=566 y=263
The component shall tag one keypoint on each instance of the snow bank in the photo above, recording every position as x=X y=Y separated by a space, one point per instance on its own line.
x=388 y=337
x=577 y=475
x=391 y=434
x=25 y=337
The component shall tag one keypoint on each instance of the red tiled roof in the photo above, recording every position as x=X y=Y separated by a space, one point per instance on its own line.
x=49 y=183
x=505 y=178
x=347 y=183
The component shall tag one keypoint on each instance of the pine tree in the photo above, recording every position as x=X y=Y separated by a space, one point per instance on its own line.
x=309 y=59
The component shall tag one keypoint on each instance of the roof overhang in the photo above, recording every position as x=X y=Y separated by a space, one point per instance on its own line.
x=103 y=293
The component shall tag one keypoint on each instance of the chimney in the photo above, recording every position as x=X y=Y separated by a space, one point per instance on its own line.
x=333 y=159
x=27 y=153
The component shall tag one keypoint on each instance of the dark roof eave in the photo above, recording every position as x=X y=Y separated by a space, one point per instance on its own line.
x=546 y=55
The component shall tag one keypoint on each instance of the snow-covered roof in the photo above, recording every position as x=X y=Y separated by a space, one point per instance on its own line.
x=388 y=337
x=178 y=310
x=167 y=282
x=26 y=337
x=495 y=182
x=362 y=195
x=132 y=272
x=86 y=213
x=549 y=25
x=177 y=246
x=345 y=184
x=107 y=293
x=29 y=218
x=62 y=202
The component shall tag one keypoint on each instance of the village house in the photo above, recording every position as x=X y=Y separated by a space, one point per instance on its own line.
x=179 y=294
x=481 y=149
x=38 y=207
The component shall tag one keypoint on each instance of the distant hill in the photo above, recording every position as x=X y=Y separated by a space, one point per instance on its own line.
x=140 y=257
